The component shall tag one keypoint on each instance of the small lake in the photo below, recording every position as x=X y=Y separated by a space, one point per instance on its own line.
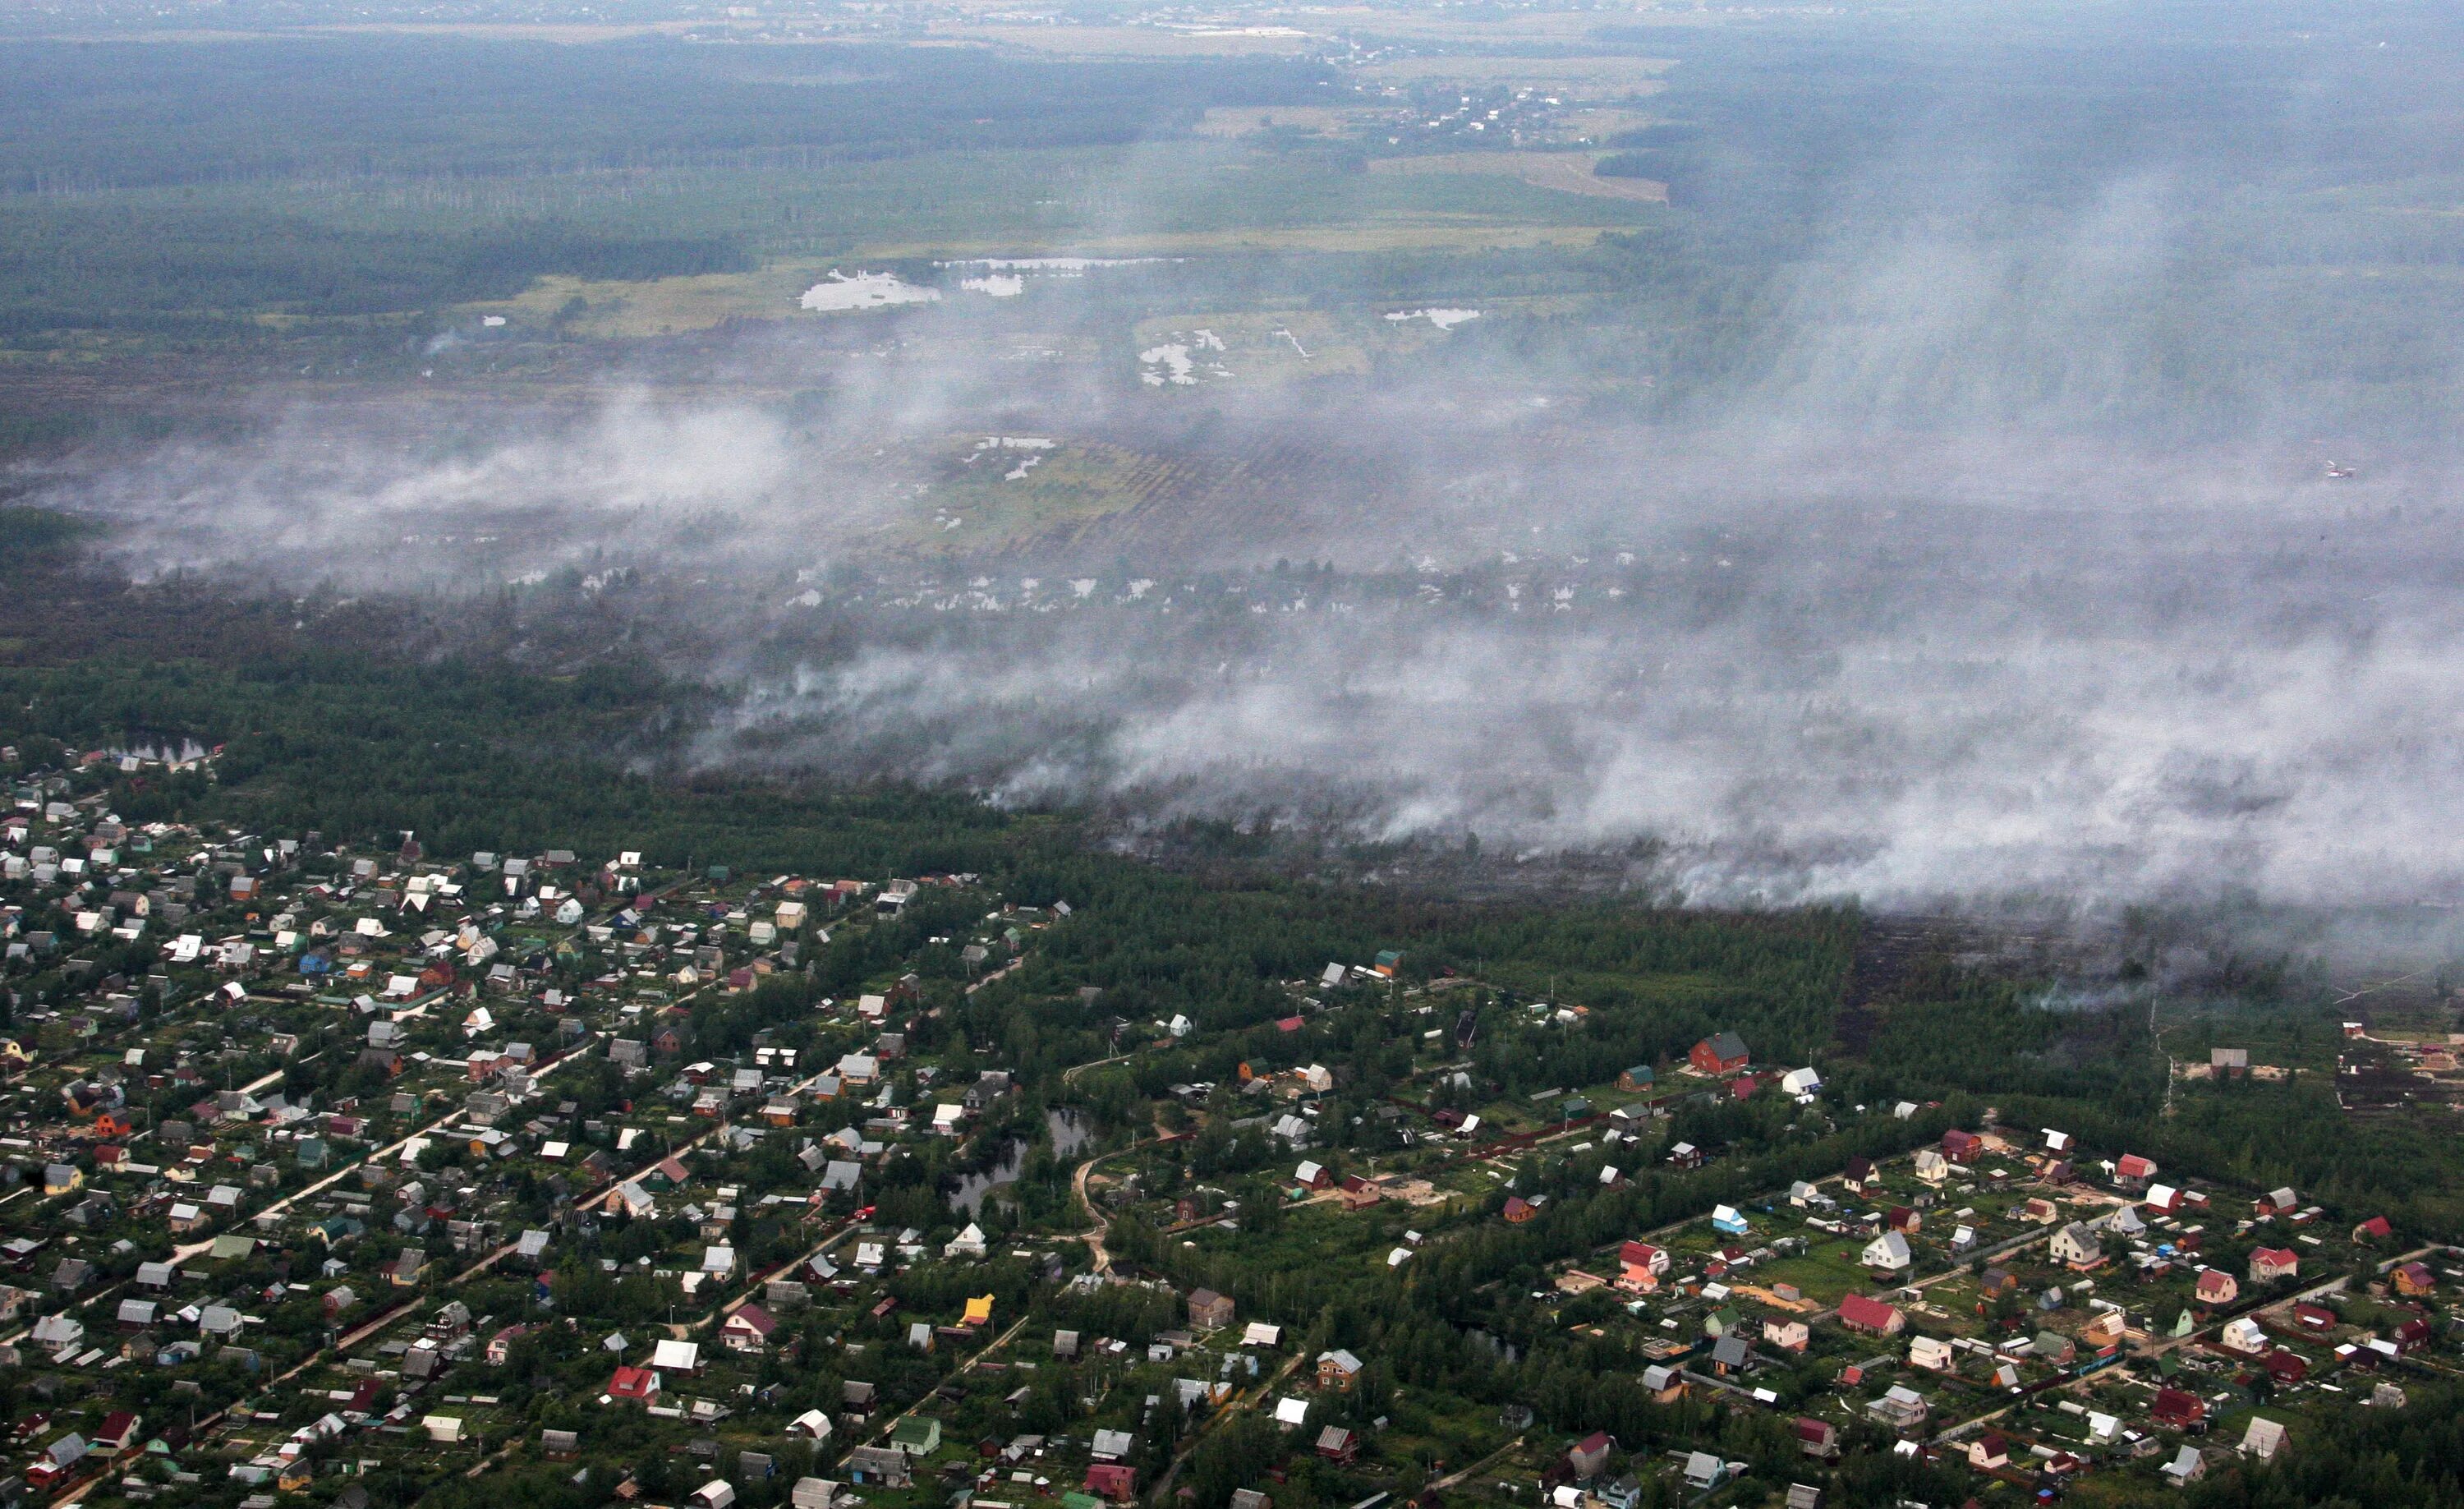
x=1069 y=1131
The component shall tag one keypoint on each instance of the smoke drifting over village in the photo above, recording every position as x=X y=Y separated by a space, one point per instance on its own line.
x=1940 y=667
x=1971 y=576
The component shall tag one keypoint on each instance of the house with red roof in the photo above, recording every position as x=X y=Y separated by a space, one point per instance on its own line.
x=2180 y=1410
x=2271 y=1263
x=2215 y=1286
x=118 y=1429
x=2133 y=1171
x=1588 y=1455
x=1644 y=1265
x=748 y=1329
x=1818 y=1438
x=1858 y=1313
x=1720 y=1053
x=1961 y=1147
x=2374 y=1229
x=638 y=1384
x=1117 y=1481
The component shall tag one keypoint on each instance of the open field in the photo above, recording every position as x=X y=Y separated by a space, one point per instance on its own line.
x=1136 y=41
x=611 y=309
x=570 y=32
x=1590 y=77
x=1568 y=173
x=1247 y=346
x=1434 y=234
x=1235 y=120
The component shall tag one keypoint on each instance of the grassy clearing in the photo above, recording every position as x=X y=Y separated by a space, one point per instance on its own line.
x=1132 y=42
x=1235 y=120
x=1264 y=345
x=1566 y=173
x=608 y=310
x=1432 y=235
x=1071 y=486
x=1590 y=77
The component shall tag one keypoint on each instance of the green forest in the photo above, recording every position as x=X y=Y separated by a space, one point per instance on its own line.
x=2131 y=225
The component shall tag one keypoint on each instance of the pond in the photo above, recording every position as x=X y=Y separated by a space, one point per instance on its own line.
x=1069 y=1131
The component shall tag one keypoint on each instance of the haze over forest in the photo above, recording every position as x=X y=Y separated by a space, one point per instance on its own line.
x=1912 y=453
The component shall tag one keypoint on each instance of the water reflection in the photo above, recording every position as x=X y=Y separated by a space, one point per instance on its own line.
x=1069 y=1131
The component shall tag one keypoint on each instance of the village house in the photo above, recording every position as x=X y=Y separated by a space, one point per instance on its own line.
x=1818 y=1439
x=1587 y=1456
x=2179 y=1410
x=748 y=1329
x=1720 y=1053
x=879 y=1466
x=1337 y=1370
x=1116 y=1482
x=2186 y=1467
x=2076 y=1247
x=1858 y=1313
x=1641 y=1266
x=1900 y=1407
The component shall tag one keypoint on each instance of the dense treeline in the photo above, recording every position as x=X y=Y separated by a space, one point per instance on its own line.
x=2407 y=1458
x=472 y=756
x=184 y=274
x=119 y=163
x=90 y=115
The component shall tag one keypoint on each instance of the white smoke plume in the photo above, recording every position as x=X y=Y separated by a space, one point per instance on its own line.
x=1929 y=598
